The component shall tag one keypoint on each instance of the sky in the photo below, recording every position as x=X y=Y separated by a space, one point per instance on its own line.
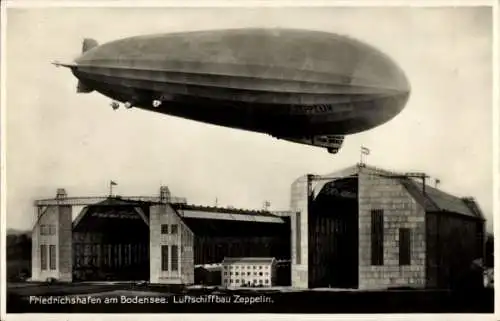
x=57 y=138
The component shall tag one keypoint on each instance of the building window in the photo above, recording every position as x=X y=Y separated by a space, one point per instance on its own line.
x=267 y=281
x=249 y=273
x=377 y=237
x=175 y=258
x=236 y=273
x=52 y=257
x=43 y=257
x=297 y=239
x=164 y=229
x=49 y=229
x=164 y=257
x=260 y=273
x=404 y=246
x=173 y=229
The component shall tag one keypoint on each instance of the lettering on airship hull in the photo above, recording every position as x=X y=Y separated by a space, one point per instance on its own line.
x=320 y=109
x=287 y=83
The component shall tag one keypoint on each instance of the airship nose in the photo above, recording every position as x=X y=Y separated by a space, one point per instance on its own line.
x=375 y=69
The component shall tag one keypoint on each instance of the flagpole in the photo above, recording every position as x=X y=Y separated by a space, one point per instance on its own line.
x=363 y=151
x=111 y=184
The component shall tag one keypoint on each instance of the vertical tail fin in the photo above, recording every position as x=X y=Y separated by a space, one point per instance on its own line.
x=87 y=44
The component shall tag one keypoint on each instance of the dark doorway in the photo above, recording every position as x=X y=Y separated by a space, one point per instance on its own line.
x=333 y=236
x=111 y=243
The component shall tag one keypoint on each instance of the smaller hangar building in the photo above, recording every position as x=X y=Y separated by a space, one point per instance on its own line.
x=159 y=239
x=368 y=228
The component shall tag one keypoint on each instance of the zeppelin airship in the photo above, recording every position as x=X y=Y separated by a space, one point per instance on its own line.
x=303 y=86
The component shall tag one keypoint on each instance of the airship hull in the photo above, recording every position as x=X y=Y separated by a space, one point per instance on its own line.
x=288 y=83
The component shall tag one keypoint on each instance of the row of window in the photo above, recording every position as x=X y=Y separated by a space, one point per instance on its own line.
x=47 y=229
x=50 y=253
x=169 y=229
x=243 y=267
x=247 y=273
x=174 y=257
x=377 y=241
x=243 y=281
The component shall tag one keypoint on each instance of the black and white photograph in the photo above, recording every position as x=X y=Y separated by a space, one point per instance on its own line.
x=249 y=158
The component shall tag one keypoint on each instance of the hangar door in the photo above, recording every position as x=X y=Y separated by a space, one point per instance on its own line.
x=333 y=235
x=111 y=242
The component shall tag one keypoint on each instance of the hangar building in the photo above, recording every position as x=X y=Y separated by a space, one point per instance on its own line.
x=159 y=239
x=361 y=228
x=368 y=228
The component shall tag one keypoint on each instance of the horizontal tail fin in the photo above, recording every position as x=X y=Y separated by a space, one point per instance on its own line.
x=88 y=44
x=63 y=64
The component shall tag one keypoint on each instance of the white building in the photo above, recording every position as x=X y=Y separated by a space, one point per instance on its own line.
x=248 y=272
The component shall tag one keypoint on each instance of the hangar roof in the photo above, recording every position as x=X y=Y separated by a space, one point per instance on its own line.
x=201 y=212
x=258 y=260
x=201 y=220
x=433 y=200
x=116 y=201
x=227 y=222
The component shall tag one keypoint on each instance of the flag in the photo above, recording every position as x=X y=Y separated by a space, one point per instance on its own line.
x=112 y=183
x=365 y=150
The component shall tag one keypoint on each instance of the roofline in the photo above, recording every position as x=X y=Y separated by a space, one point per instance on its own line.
x=92 y=200
x=224 y=210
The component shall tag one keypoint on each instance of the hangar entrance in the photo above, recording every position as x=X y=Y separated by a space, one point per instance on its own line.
x=111 y=242
x=333 y=230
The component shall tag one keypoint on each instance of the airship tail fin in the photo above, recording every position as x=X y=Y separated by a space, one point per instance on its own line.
x=88 y=44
